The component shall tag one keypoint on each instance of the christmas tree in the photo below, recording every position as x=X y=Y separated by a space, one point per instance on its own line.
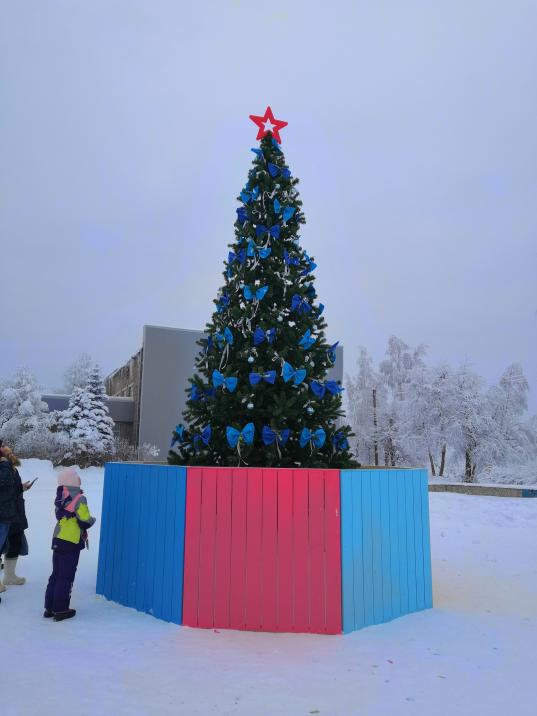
x=260 y=395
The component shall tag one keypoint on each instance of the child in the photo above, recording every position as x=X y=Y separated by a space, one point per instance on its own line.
x=69 y=538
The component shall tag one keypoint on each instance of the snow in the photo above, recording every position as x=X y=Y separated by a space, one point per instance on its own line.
x=472 y=654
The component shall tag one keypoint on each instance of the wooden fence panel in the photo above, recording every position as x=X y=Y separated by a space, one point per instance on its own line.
x=141 y=544
x=278 y=535
x=385 y=545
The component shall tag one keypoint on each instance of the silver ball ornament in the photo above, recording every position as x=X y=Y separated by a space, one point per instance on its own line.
x=251 y=359
x=310 y=410
x=250 y=406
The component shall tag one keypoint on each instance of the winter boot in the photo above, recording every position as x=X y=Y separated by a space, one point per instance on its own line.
x=48 y=613
x=9 y=573
x=60 y=616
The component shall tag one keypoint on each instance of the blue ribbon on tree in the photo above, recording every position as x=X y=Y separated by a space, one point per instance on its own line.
x=300 y=304
x=269 y=377
x=246 y=435
x=288 y=211
x=225 y=337
x=218 y=380
x=269 y=435
x=262 y=251
x=307 y=340
x=204 y=437
x=240 y=256
x=316 y=437
x=223 y=303
x=180 y=431
x=248 y=196
x=276 y=145
x=289 y=373
x=260 y=335
x=273 y=169
x=319 y=389
x=242 y=214
x=257 y=151
x=339 y=441
x=331 y=352
x=274 y=230
x=257 y=295
x=290 y=260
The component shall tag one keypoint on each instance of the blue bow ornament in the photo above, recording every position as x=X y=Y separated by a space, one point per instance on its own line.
x=246 y=435
x=316 y=437
x=289 y=373
x=260 y=335
x=229 y=383
x=269 y=377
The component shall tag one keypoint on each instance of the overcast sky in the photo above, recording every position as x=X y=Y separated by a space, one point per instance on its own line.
x=125 y=138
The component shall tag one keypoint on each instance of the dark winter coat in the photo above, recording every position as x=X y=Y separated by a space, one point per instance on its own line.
x=8 y=492
x=20 y=523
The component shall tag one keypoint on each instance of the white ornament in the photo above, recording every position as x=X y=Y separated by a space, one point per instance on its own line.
x=250 y=406
x=280 y=319
x=251 y=359
x=310 y=410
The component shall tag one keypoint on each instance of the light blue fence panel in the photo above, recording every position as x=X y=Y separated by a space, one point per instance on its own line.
x=141 y=549
x=385 y=545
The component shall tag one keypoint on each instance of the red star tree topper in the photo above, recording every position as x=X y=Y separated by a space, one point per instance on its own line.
x=267 y=123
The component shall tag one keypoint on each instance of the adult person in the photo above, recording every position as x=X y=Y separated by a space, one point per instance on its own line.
x=8 y=499
x=15 y=543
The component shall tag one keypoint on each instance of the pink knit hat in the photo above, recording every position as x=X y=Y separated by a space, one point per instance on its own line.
x=69 y=477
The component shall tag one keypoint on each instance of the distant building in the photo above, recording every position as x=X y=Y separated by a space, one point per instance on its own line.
x=147 y=395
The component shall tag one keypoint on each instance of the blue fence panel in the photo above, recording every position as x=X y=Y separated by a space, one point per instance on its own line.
x=385 y=545
x=141 y=548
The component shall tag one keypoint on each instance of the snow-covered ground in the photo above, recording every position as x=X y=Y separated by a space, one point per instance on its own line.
x=474 y=653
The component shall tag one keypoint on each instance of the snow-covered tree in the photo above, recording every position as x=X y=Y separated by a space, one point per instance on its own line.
x=101 y=414
x=77 y=374
x=87 y=423
x=418 y=414
x=21 y=409
x=508 y=402
x=366 y=396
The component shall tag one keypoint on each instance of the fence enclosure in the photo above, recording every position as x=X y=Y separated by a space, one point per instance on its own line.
x=266 y=549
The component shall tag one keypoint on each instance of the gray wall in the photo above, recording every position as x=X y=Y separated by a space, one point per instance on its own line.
x=167 y=364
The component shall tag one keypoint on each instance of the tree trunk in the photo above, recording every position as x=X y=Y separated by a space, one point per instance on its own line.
x=433 y=472
x=375 y=444
x=468 y=466
x=442 y=460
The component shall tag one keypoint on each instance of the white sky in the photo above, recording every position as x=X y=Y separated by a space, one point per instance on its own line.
x=125 y=138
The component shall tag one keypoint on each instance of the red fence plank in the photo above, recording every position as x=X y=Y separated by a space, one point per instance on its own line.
x=316 y=551
x=333 y=551
x=269 y=551
x=254 y=516
x=192 y=535
x=237 y=585
x=285 y=551
x=207 y=548
x=301 y=551
x=222 y=557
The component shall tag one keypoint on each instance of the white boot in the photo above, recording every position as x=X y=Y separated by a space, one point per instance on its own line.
x=9 y=573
